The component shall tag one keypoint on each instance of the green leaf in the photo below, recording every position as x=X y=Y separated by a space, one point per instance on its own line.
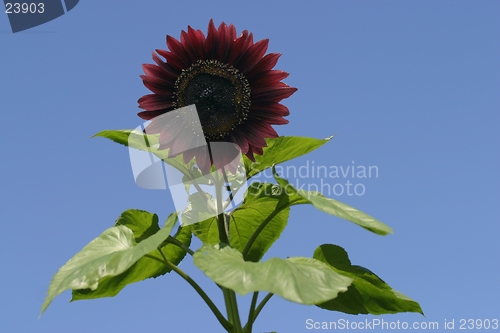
x=198 y=209
x=300 y=280
x=259 y=203
x=206 y=230
x=332 y=207
x=118 y=136
x=134 y=139
x=281 y=149
x=367 y=293
x=110 y=254
x=149 y=143
x=248 y=217
x=143 y=224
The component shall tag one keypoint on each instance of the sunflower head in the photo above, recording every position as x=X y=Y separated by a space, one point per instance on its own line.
x=231 y=82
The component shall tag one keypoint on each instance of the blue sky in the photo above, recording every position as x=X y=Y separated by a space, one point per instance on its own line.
x=409 y=87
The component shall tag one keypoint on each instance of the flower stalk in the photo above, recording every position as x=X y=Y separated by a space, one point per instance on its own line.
x=229 y=295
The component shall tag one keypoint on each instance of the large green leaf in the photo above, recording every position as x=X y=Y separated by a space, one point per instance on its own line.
x=281 y=149
x=149 y=143
x=300 y=280
x=259 y=203
x=247 y=218
x=367 y=293
x=331 y=206
x=143 y=224
x=110 y=254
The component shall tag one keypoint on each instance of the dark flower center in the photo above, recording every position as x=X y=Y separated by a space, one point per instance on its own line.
x=219 y=91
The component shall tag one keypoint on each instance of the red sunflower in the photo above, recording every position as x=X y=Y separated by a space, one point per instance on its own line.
x=231 y=81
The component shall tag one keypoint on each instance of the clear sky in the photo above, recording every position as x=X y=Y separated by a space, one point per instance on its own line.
x=409 y=87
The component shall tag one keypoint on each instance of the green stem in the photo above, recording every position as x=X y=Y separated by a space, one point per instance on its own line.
x=261 y=305
x=221 y=223
x=232 y=310
x=223 y=321
x=175 y=241
x=229 y=295
x=199 y=189
x=251 y=314
x=231 y=196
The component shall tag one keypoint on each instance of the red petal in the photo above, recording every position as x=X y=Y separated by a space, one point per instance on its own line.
x=176 y=48
x=212 y=41
x=223 y=153
x=227 y=35
x=160 y=124
x=194 y=41
x=163 y=146
x=273 y=94
x=148 y=115
x=267 y=78
x=265 y=129
x=276 y=108
x=169 y=71
x=155 y=71
x=252 y=56
x=168 y=134
x=157 y=85
x=250 y=40
x=155 y=102
x=277 y=85
x=250 y=155
x=186 y=44
x=151 y=70
x=189 y=154
x=172 y=59
x=232 y=166
x=203 y=160
x=269 y=117
x=239 y=46
x=254 y=137
x=155 y=126
x=266 y=63
x=258 y=150
x=240 y=140
x=182 y=141
x=222 y=42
